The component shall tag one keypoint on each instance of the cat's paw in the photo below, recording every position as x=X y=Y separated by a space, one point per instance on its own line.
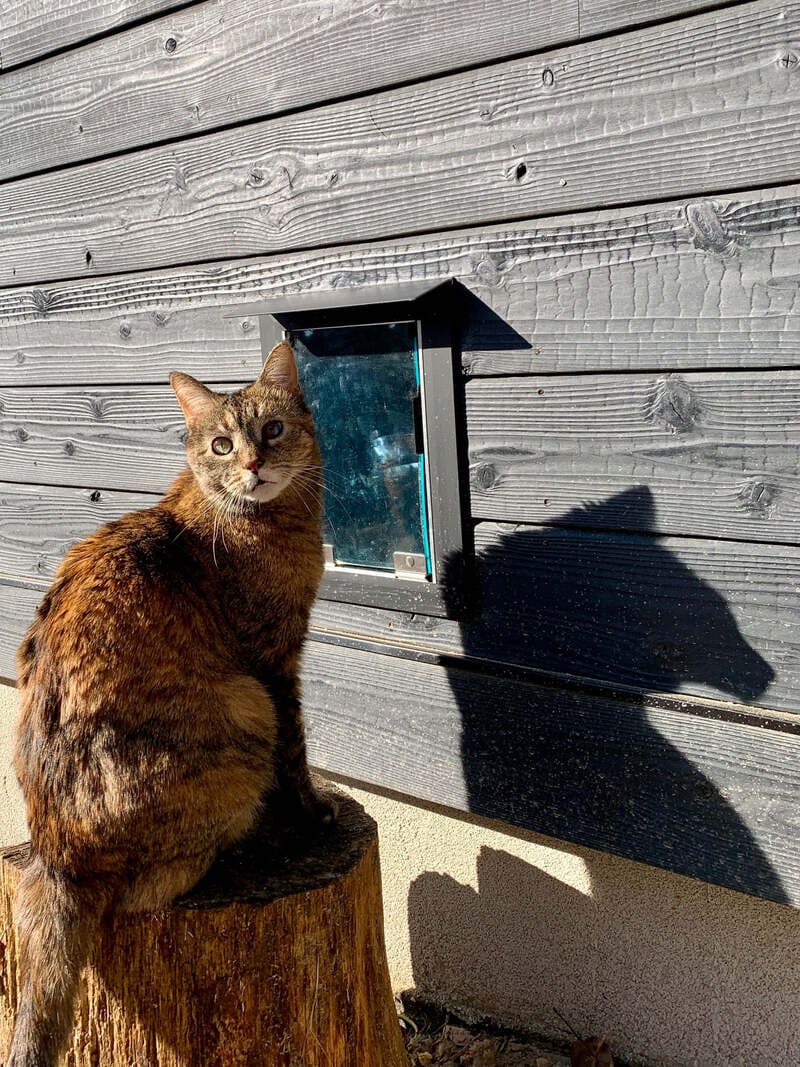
x=323 y=808
x=307 y=809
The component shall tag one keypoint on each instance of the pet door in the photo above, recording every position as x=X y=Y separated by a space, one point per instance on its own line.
x=377 y=371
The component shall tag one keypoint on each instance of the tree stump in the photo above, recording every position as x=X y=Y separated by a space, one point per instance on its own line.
x=276 y=959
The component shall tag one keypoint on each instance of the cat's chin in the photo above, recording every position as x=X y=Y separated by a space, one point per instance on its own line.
x=264 y=492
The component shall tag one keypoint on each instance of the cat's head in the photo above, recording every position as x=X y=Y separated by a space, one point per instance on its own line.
x=251 y=445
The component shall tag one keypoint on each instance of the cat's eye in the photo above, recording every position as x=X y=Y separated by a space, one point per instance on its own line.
x=222 y=446
x=272 y=430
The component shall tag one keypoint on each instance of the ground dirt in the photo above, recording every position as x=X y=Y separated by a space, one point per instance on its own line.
x=437 y=1039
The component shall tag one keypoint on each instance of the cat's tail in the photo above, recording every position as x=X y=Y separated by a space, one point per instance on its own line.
x=57 y=919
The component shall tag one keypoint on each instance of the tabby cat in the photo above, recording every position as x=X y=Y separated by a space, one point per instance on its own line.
x=160 y=700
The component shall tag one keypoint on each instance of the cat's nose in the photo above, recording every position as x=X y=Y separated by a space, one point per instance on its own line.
x=253 y=466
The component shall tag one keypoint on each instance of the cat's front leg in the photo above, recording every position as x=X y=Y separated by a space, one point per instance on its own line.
x=296 y=798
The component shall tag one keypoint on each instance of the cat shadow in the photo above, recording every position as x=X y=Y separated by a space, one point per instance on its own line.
x=581 y=764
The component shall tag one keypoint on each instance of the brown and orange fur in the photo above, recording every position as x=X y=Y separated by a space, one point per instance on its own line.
x=160 y=701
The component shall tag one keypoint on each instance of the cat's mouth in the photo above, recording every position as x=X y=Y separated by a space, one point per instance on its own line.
x=261 y=489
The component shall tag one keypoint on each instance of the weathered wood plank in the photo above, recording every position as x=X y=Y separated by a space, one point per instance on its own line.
x=38 y=524
x=636 y=117
x=106 y=438
x=623 y=289
x=216 y=63
x=227 y=61
x=30 y=28
x=709 y=799
x=719 y=454
x=709 y=618
x=602 y=16
x=17 y=605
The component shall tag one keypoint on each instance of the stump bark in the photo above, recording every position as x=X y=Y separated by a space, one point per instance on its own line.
x=276 y=959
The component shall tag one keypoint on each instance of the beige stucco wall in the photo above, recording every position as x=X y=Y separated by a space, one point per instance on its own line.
x=513 y=925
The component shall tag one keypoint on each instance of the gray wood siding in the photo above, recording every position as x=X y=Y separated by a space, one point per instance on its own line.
x=708 y=283
x=541 y=449
x=645 y=115
x=712 y=799
x=217 y=63
x=630 y=675
x=719 y=453
x=715 y=619
x=32 y=28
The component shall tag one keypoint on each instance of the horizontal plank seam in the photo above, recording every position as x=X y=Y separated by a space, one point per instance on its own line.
x=361 y=93
x=101 y=35
x=627 y=531
x=87 y=488
x=437 y=231
x=769 y=719
x=600 y=372
x=236 y=383
x=500 y=376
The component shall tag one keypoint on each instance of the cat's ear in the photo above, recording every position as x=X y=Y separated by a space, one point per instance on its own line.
x=281 y=369
x=194 y=398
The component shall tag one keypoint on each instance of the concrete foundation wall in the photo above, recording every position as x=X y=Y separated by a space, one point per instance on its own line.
x=493 y=921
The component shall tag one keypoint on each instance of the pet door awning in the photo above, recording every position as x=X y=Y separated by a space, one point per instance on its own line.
x=402 y=293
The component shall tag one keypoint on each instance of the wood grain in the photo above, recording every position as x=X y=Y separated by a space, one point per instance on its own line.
x=718 y=453
x=642 y=116
x=229 y=61
x=215 y=63
x=38 y=524
x=217 y=988
x=30 y=28
x=104 y=438
x=621 y=289
x=17 y=605
x=708 y=799
x=710 y=618
x=676 y=615
x=602 y=16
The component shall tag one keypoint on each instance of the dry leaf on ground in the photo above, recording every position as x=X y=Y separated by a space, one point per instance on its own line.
x=592 y=1052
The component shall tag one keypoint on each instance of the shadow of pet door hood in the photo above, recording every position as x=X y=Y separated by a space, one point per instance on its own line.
x=376 y=368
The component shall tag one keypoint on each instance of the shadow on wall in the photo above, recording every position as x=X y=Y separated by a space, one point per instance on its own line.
x=577 y=765
x=680 y=975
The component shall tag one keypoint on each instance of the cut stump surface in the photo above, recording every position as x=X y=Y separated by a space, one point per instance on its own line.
x=276 y=959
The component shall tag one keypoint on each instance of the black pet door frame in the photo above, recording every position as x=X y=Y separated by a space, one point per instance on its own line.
x=332 y=333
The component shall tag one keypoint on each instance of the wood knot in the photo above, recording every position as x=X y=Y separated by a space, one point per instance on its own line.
x=94 y=496
x=21 y=435
x=757 y=496
x=43 y=301
x=673 y=405
x=484 y=476
x=707 y=229
x=69 y=448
